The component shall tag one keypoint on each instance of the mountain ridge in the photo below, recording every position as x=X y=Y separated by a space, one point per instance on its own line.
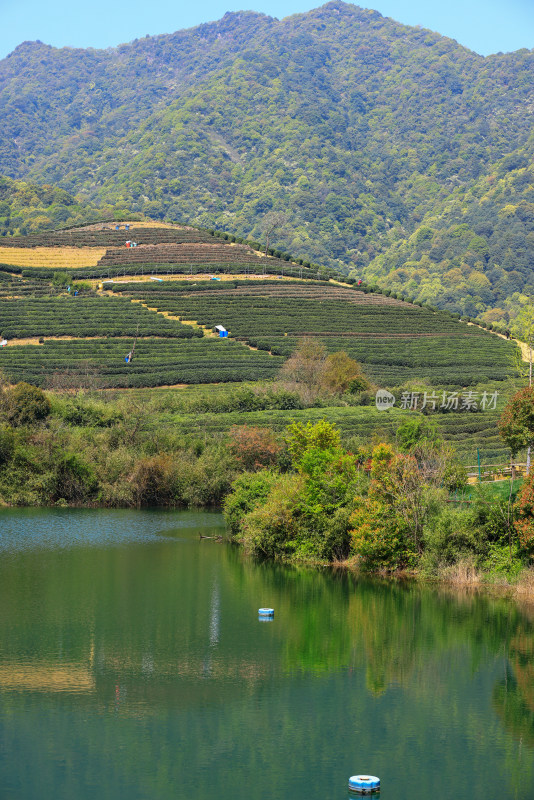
x=359 y=128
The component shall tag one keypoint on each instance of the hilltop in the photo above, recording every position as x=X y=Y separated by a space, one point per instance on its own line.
x=379 y=141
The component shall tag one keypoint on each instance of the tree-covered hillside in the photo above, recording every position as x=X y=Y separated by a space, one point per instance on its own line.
x=378 y=141
x=473 y=252
x=29 y=207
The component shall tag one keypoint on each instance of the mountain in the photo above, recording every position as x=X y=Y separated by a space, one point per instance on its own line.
x=29 y=207
x=382 y=143
x=473 y=252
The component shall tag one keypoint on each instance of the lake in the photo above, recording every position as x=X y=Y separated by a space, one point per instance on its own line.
x=133 y=665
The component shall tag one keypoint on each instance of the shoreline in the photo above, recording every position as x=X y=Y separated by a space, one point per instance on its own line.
x=462 y=577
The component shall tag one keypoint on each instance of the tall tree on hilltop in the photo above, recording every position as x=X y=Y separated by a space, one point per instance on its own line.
x=271 y=222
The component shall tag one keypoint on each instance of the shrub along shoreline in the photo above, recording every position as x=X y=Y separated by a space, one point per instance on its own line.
x=402 y=509
x=397 y=507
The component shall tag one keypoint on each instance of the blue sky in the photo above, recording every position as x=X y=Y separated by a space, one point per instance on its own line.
x=486 y=26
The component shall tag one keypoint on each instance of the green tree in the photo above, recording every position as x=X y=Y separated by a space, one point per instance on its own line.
x=320 y=435
x=26 y=404
x=249 y=491
x=389 y=523
x=272 y=221
x=516 y=423
x=417 y=431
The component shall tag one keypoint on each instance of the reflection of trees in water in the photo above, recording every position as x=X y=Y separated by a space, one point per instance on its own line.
x=513 y=696
x=170 y=629
x=334 y=620
x=513 y=703
x=406 y=628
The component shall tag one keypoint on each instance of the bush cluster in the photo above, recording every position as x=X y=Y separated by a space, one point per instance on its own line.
x=387 y=508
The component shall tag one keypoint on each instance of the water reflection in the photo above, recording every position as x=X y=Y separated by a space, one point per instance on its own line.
x=46 y=677
x=161 y=631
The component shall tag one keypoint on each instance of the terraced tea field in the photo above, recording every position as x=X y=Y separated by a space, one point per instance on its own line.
x=83 y=340
x=465 y=432
x=395 y=342
x=104 y=235
x=54 y=258
x=100 y=363
x=83 y=317
x=100 y=251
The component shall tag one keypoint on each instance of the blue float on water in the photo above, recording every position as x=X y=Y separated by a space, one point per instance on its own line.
x=266 y=612
x=364 y=784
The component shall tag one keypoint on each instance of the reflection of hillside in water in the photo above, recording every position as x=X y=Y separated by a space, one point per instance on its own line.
x=513 y=696
x=142 y=671
x=140 y=675
x=173 y=625
x=46 y=677
x=144 y=685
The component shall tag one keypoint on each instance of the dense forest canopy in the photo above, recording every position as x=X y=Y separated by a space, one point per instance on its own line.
x=28 y=207
x=395 y=153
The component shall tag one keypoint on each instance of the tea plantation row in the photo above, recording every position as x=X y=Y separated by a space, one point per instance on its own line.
x=394 y=343
x=251 y=315
x=465 y=432
x=146 y=268
x=287 y=287
x=100 y=362
x=16 y=287
x=107 y=237
x=85 y=316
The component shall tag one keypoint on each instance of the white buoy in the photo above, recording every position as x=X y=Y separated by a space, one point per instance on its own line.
x=364 y=784
x=266 y=612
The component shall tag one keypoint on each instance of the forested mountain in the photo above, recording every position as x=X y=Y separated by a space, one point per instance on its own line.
x=29 y=207
x=394 y=151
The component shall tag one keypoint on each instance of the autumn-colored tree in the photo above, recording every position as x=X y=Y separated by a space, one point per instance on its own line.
x=342 y=373
x=303 y=370
x=524 y=508
x=253 y=447
x=154 y=480
x=376 y=537
x=516 y=423
x=312 y=371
